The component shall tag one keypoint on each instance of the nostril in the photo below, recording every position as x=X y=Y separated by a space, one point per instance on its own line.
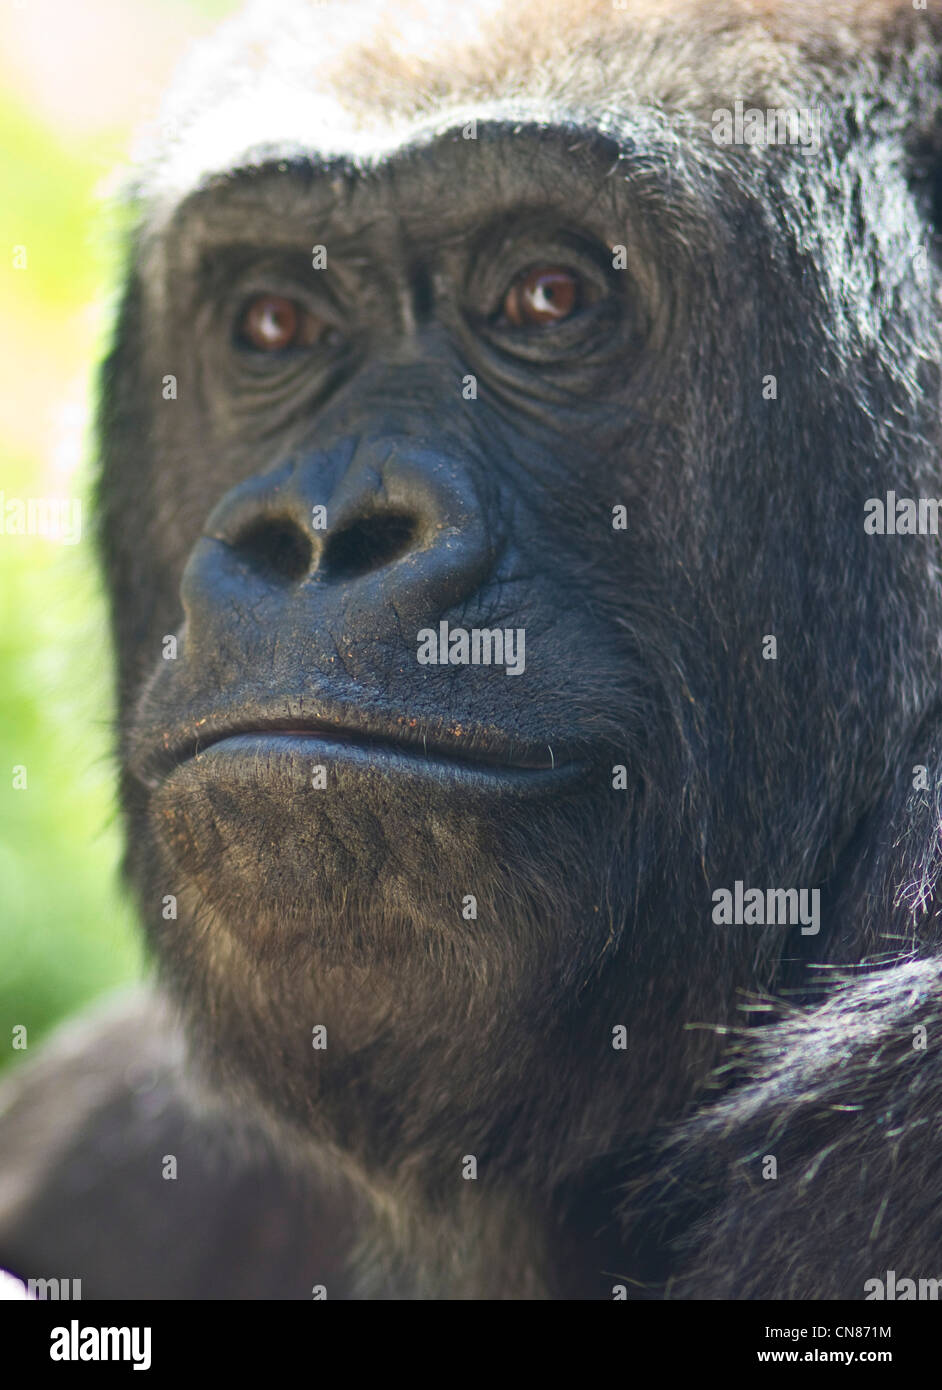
x=276 y=549
x=368 y=544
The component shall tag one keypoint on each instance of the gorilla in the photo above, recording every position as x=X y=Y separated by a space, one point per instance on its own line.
x=520 y=474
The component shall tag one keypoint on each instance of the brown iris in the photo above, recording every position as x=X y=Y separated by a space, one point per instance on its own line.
x=272 y=323
x=546 y=294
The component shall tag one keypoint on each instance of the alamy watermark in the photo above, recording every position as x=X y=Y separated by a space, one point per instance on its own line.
x=53 y=518
x=477 y=646
x=768 y=907
x=799 y=126
x=897 y=1289
x=901 y=516
x=78 y=1343
x=54 y=1290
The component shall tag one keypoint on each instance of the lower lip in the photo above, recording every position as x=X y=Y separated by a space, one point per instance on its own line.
x=281 y=749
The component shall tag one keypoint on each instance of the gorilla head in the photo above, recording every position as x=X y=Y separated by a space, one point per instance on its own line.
x=440 y=325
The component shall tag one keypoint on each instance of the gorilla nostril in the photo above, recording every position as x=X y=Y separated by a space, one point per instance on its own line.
x=368 y=544
x=276 y=549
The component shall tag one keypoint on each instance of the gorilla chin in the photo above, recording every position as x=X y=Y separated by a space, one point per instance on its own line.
x=350 y=912
x=300 y=825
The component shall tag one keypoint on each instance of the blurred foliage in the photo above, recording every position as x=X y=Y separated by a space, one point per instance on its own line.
x=66 y=924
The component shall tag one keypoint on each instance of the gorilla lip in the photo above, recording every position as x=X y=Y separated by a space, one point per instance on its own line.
x=384 y=741
x=277 y=749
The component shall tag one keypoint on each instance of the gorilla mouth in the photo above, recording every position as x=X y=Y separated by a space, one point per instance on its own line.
x=411 y=743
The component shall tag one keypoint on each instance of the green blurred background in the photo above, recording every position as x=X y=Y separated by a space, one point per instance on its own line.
x=76 y=80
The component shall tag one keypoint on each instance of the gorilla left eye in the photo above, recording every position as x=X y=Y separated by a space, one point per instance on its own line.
x=273 y=323
x=544 y=295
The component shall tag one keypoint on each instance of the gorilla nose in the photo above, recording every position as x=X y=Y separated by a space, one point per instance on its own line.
x=403 y=530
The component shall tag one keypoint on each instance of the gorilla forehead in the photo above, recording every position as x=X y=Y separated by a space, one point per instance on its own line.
x=615 y=178
x=352 y=79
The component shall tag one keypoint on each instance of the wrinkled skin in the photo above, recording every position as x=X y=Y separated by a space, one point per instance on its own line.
x=341 y=905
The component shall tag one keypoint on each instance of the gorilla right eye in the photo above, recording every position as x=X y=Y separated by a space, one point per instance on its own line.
x=275 y=323
x=542 y=296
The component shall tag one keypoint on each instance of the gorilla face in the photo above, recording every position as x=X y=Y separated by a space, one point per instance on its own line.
x=415 y=854
x=364 y=390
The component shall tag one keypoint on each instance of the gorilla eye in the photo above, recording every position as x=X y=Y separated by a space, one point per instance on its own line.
x=272 y=323
x=543 y=295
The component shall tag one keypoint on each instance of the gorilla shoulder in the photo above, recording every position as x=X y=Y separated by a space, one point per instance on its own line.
x=109 y=1164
